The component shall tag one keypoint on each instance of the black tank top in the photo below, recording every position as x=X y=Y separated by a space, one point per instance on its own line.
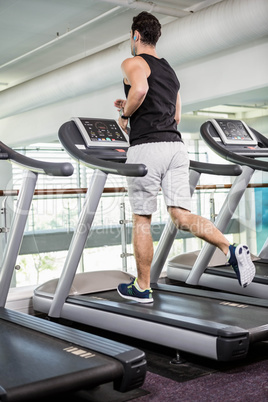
x=154 y=120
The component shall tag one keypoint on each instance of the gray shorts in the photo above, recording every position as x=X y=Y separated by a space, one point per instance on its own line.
x=168 y=169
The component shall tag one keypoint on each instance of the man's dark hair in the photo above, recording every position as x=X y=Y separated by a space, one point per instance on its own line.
x=148 y=26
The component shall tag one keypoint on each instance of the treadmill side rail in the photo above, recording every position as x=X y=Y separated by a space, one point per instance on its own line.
x=258 y=334
x=132 y=359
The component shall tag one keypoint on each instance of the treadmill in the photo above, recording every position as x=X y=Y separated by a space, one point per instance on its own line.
x=41 y=358
x=237 y=143
x=216 y=325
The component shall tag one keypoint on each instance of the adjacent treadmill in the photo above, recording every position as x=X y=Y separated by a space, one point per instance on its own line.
x=216 y=325
x=40 y=358
x=237 y=143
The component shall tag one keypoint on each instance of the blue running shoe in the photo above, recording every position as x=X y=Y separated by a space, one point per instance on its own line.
x=129 y=291
x=242 y=264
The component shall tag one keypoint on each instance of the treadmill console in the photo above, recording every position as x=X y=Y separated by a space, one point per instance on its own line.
x=101 y=132
x=233 y=139
x=234 y=132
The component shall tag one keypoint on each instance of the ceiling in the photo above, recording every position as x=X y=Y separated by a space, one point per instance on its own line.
x=38 y=36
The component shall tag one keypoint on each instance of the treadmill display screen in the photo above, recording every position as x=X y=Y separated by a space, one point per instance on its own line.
x=100 y=132
x=234 y=132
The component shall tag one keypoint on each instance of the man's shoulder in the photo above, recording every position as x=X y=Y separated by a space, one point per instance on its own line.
x=132 y=60
x=135 y=63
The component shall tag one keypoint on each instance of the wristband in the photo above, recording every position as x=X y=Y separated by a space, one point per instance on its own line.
x=122 y=114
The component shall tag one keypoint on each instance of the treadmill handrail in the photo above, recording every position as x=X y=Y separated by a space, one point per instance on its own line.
x=228 y=155
x=49 y=168
x=215 y=169
x=137 y=170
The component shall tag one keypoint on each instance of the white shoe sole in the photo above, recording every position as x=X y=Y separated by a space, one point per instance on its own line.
x=246 y=267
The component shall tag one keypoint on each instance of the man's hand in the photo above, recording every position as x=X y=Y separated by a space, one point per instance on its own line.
x=120 y=104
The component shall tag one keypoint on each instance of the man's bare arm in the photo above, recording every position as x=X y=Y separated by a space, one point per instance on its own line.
x=135 y=75
x=177 y=116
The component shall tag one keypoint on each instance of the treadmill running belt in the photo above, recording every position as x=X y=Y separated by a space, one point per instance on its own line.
x=207 y=314
x=225 y=270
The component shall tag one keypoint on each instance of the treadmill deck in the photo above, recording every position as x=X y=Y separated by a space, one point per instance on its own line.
x=208 y=312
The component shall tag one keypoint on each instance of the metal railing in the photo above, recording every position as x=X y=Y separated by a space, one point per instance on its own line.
x=121 y=231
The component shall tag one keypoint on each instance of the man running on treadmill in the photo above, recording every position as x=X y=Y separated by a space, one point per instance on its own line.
x=153 y=108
